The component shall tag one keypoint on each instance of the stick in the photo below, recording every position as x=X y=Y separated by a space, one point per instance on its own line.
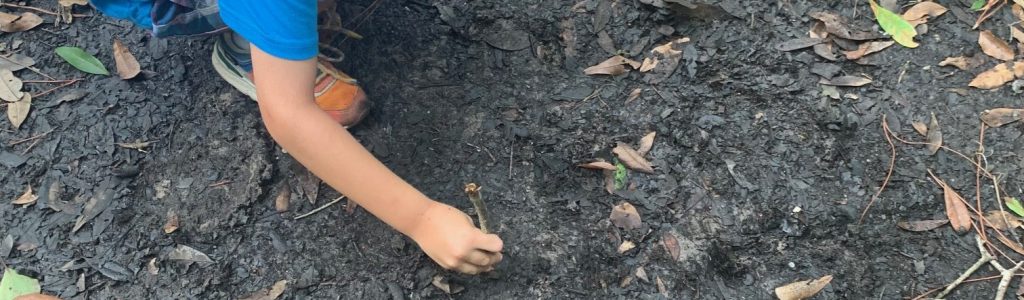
x=43 y=93
x=318 y=209
x=473 y=191
x=888 y=175
x=984 y=259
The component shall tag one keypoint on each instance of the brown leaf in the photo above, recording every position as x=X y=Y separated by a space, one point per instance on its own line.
x=350 y=206
x=840 y=28
x=993 y=78
x=127 y=66
x=648 y=64
x=626 y=246
x=917 y=14
x=625 y=216
x=444 y=285
x=612 y=66
x=934 y=136
x=671 y=245
x=994 y=46
x=171 y=225
x=598 y=165
x=997 y=117
x=851 y=81
x=282 y=200
x=798 y=43
x=635 y=93
x=920 y=127
x=868 y=48
x=269 y=294
x=1018 y=12
x=1017 y=34
x=1002 y=220
x=1015 y=246
x=923 y=225
x=818 y=31
x=825 y=51
x=10 y=86
x=666 y=58
x=956 y=210
x=18 y=23
x=26 y=198
x=17 y=111
x=632 y=159
x=802 y=289
x=609 y=181
x=963 y=62
x=646 y=143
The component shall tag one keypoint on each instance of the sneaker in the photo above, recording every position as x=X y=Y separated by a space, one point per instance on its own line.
x=336 y=93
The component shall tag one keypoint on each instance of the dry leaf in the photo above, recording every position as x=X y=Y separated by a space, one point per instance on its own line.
x=994 y=46
x=612 y=66
x=441 y=283
x=666 y=58
x=189 y=254
x=17 y=111
x=17 y=23
x=798 y=43
x=1017 y=34
x=917 y=14
x=626 y=246
x=1015 y=246
x=26 y=198
x=920 y=128
x=868 y=48
x=269 y=294
x=851 y=81
x=1002 y=220
x=671 y=245
x=625 y=216
x=642 y=274
x=605 y=41
x=1018 y=12
x=956 y=210
x=598 y=165
x=137 y=145
x=962 y=62
x=636 y=92
x=127 y=66
x=802 y=289
x=10 y=86
x=172 y=222
x=923 y=225
x=151 y=267
x=993 y=78
x=648 y=64
x=282 y=200
x=839 y=27
x=646 y=143
x=934 y=136
x=824 y=49
x=661 y=287
x=997 y=117
x=632 y=159
x=609 y=181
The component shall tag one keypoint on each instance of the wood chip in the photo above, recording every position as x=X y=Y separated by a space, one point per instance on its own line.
x=272 y=293
x=671 y=245
x=626 y=246
x=282 y=200
x=994 y=46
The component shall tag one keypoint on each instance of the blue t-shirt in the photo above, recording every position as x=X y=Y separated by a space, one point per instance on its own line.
x=282 y=28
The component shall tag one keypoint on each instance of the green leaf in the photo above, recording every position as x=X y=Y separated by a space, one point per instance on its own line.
x=82 y=60
x=1015 y=206
x=900 y=30
x=978 y=5
x=620 y=175
x=13 y=285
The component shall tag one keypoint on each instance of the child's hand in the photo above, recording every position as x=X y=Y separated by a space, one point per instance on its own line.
x=448 y=236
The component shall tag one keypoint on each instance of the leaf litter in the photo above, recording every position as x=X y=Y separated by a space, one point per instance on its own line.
x=963 y=63
x=798 y=43
x=920 y=12
x=956 y=210
x=1002 y=220
x=18 y=111
x=598 y=165
x=26 y=198
x=632 y=159
x=646 y=143
x=802 y=289
x=10 y=86
x=998 y=76
x=127 y=66
x=922 y=225
x=19 y=23
x=189 y=254
x=994 y=46
x=172 y=223
x=901 y=31
x=271 y=293
x=848 y=81
x=616 y=65
x=934 y=136
x=920 y=128
x=15 y=62
x=867 y=48
x=998 y=117
x=625 y=216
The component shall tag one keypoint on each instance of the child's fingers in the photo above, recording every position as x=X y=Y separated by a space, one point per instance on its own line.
x=470 y=269
x=489 y=242
x=483 y=259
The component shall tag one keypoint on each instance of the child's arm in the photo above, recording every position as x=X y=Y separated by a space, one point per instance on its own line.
x=286 y=103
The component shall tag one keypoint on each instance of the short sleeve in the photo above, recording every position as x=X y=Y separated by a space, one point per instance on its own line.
x=282 y=28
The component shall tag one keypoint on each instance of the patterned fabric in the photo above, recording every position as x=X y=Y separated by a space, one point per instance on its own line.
x=186 y=18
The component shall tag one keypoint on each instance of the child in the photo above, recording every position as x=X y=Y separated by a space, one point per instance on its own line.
x=268 y=50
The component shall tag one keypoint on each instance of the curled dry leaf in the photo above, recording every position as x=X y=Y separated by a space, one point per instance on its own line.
x=995 y=77
x=1002 y=220
x=18 y=23
x=920 y=128
x=835 y=25
x=919 y=13
x=632 y=159
x=923 y=225
x=1017 y=34
x=802 y=289
x=798 y=43
x=956 y=210
x=646 y=143
x=152 y=268
x=994 y=46
x=635 y=93
x=665 y=60
x=17 y=111
x=26 y=198
x=598 y=165
x=615 y=65
x=1018 y=11
x=171 y=225
x=997 y=117
x=282 y=200
x=867 y=48
x=824 y=49
x=444 y=285
x=625 y=216
x=934 y=136
x=962 y=62
x=851 y=81
x=272 y=293
x=127 y=66
x=626 y=246
x=189 y=254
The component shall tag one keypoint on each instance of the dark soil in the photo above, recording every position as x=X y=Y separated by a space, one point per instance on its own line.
x=451 y=108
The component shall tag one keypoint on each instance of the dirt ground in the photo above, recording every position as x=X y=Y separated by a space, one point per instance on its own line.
x=450 y=108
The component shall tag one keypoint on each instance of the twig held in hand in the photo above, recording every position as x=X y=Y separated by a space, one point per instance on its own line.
x=473 y=191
